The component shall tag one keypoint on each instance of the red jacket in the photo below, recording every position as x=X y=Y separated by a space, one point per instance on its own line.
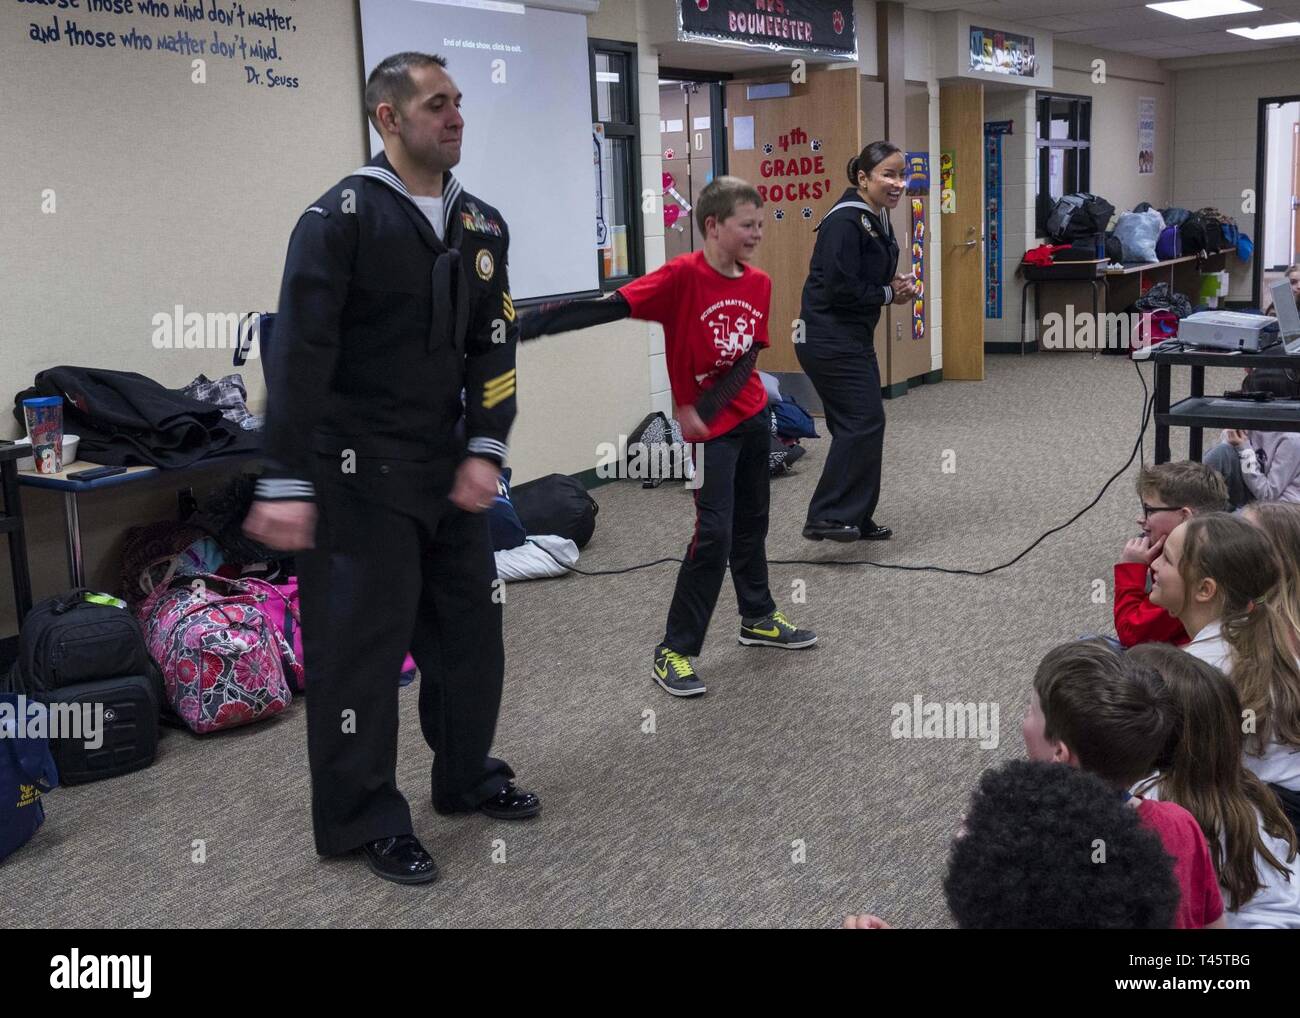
x=1137 y=620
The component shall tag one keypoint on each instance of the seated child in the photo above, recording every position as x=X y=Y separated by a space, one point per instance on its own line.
x=1280 y=522
x=1259 y=465
x=1221 y=577
x=1096 y=710
x=1169 y=493
x=1252 y=844
x=1053 y=848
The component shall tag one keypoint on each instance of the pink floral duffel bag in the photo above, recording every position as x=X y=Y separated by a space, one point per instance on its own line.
x=222 y=657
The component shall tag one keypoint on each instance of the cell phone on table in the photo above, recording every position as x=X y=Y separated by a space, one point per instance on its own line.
x=95 y=473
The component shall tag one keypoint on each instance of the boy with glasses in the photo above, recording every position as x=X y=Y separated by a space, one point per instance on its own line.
x=1169 y=494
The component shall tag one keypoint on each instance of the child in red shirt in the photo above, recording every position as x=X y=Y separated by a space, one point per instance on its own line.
x=1101 y=712
x=714 y=309
x=1170 y=493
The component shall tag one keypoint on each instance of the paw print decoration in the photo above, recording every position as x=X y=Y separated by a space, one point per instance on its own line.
x=816 y=144
x=806 y=212
x=767 y=148
x=778 y=213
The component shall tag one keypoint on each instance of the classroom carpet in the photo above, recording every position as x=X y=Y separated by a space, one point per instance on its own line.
x=786 y=796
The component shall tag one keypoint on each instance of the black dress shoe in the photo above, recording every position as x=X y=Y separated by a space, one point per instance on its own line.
x=402 y=860
x=829 y=530
x=511 y=804
x=875 y=533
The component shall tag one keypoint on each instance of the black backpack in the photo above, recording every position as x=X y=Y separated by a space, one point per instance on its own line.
x=1281 y=382
x=556 y=504
x=79 y=655
x=1077 y=216
x=67 y=640
x=1200 y=234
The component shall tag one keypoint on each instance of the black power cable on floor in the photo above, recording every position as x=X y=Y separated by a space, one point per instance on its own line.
x=1148 y=405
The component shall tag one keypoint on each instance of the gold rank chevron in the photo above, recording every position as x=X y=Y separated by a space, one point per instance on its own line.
x=508 y=306
x=499 y=389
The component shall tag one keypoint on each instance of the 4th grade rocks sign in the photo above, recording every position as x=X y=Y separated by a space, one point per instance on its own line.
x=793 y=177
x=816 y=26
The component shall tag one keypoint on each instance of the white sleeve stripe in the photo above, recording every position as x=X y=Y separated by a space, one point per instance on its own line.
x=284 y=487
x=489 y=446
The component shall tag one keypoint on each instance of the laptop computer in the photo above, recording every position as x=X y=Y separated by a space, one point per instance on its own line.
x=1288 y=315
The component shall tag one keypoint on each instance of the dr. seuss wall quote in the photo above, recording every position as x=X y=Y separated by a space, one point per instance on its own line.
x=219 y=35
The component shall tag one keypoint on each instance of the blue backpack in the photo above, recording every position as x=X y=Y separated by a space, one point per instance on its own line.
x=26 y=773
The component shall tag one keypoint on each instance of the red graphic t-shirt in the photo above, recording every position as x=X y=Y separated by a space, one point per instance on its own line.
x=709 y=321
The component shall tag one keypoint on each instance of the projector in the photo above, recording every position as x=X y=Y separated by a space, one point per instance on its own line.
x=1230 y=330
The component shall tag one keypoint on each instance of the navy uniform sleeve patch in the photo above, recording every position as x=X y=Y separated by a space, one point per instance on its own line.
x=319 y=211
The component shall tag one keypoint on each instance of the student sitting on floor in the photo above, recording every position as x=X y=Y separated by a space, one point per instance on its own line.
x=1220 y=576
x=1101 y=712
x=1252 y=843
x=1262 y=465
x=1169 y=494
x=1052 y=848
x=1280 y=522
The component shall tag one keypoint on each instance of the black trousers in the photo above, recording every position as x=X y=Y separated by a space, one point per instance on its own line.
x=731 y=507
x=397 y=567
x=843 y=370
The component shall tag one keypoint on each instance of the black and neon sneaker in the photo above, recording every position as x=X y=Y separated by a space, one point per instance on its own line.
x=673 y=671
x=776 y=631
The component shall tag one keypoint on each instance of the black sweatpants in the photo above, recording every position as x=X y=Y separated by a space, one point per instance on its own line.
x=397 y=566
x=845 y=374
x=731 y=506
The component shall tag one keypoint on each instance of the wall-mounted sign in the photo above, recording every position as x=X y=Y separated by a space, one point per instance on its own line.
x=813 y=26
x=918 y=268
x=1002 y=53
x=992 y=222
x=947 y=183
x=1146 y=136
x=918 y=172
x=999 y=126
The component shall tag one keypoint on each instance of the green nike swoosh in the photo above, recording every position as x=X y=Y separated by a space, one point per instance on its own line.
x=774 y=631
x=662 y=674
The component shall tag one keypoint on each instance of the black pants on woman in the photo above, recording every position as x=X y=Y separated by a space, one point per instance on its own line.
x=731 y=506
x=845 y=374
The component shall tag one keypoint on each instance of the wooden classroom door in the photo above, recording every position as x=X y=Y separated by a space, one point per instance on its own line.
x=961 y=156
x=794 y=150
x=1295 y=203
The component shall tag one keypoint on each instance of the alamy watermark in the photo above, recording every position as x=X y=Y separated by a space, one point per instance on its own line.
x=179 y=329
x=656 y=461
x=1106 y=331
x=935 y=720
x=33 y=719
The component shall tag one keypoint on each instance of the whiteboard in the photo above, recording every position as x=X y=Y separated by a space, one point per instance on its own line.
x=528 y=138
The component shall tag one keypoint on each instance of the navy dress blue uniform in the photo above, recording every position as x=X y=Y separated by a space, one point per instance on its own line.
x=381 y=326
x=853 y=261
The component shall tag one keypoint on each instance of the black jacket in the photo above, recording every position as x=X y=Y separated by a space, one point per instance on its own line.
x=855 y=257
x=124 y=419
x=380 y=325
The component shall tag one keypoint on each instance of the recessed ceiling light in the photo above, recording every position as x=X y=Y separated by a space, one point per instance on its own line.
x=1282 y=31
x=1189 y=9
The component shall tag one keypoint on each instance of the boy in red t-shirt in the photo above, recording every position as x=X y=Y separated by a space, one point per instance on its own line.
x=1102 y=712
x=714 y=309
x=1170 y=493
